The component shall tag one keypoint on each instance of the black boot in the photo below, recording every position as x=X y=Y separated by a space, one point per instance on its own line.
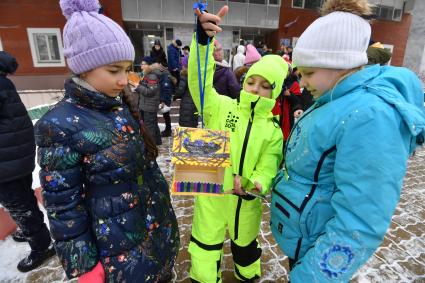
x=167 y=119
x=19 y=237
x=35 y=259
x=166 y=133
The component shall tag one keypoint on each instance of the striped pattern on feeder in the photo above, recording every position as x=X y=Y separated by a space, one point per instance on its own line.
x=196 y=188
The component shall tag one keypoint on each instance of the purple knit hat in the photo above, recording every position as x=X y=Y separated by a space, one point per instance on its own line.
x=91 y=39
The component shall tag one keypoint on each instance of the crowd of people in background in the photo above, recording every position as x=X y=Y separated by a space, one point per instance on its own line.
x=228 y=80
x=326 y=127
x=164 y=78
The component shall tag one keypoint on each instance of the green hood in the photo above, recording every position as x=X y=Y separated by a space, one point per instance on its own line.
x=274 y=69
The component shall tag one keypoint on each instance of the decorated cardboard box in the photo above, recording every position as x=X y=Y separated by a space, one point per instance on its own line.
x=200 y=157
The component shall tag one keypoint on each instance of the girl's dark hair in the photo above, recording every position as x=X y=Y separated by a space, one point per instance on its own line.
x=131 y=101
x=240 y=72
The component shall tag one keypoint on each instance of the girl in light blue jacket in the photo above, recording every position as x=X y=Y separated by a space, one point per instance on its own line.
x=347 y=155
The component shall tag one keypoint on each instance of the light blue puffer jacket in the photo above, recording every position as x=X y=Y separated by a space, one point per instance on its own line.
x=345 y=163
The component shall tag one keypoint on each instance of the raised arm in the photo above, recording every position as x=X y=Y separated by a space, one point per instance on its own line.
x=206 y=30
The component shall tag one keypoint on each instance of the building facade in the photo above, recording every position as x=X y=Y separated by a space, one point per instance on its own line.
x=165 y=20
x=391 y=27
x=32 y=30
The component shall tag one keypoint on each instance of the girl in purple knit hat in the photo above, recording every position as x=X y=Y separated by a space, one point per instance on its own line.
x=107 y=201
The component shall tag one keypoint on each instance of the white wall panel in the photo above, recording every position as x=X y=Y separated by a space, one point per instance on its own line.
x=273 y=16
x=257 y=15
x=129 y=9
x=150 y=10
x=173 y=10
x=181 y=11
x=237 y=14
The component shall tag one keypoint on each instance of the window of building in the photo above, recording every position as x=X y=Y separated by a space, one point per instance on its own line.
x=386 y=13
x=236 y=37
x=46 y=47
x=397 y=14
x=297 y=3
x=169 y=33
x=240 y=1
x=307 y=4
x=389 y=11
x=313 y=4
x=1 y=45
x=274 y=2
x=257 y=1
x=375 y=10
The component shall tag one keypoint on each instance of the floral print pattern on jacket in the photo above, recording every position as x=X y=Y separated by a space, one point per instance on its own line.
x=104 y=201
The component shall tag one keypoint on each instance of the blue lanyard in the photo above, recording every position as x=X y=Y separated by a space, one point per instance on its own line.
x=202 y=7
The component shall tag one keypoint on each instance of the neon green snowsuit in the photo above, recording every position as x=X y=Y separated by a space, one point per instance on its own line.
x=256 y=152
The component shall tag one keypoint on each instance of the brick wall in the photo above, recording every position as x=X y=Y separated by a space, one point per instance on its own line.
x=387 y=32
x=18 y=15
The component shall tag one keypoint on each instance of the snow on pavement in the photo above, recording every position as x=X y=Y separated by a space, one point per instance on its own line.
x=401 y=257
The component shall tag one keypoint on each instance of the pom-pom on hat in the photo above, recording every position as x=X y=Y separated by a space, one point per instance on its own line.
x=337 y=40
x=91 y=39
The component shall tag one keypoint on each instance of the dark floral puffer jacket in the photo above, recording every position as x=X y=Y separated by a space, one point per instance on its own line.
x=104 y=202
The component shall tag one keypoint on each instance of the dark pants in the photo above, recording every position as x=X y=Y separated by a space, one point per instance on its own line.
x=19 y=199
x=167 y=119
x=176 y=74
x=151 y=124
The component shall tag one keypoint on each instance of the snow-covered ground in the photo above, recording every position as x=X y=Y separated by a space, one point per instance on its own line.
x=401 y=257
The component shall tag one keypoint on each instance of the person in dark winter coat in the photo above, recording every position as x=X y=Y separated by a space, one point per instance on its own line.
x=158 y=53
x=149 y=99
x=174 y=62
x=166 y=90
x=188 y=116
x=225 y=82
x=17 y=154
x=108 y=203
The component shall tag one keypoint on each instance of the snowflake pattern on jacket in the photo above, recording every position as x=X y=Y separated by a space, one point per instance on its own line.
x=104 y=201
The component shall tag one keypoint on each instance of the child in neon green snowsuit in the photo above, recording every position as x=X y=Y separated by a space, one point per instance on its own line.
x=256 y=152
